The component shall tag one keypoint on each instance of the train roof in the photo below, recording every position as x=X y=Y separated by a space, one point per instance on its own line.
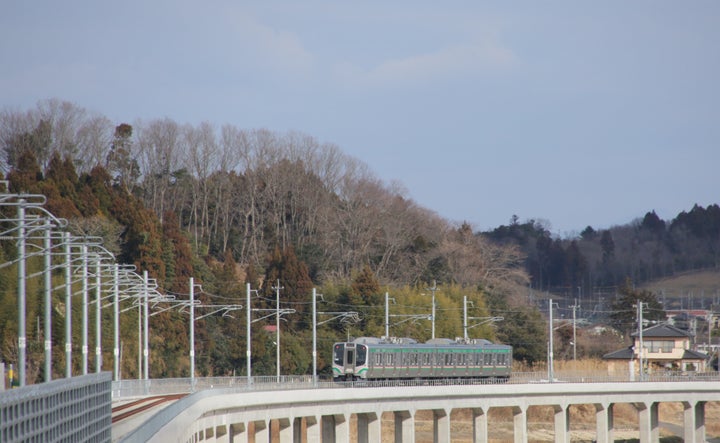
x=405 y=342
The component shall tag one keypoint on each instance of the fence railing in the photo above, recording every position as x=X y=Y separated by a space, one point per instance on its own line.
x=72 y=409
x=141 y=388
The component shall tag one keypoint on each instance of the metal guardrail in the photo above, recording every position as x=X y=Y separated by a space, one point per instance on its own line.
x=141 y=388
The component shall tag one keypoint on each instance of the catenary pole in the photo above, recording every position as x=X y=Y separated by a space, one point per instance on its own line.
x=84 y=309
x=21 y=294
x=387 y=315
x=248 y=344
x=192 y=334
x=277 y=329
x=68 y=306
x=116 y=322
x=47 y=246
x=551 y=374
x=314 y=323
x=146 y=321
x=98 y=317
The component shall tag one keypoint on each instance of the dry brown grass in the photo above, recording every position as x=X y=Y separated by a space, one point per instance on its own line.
x=541 y=418
x=589 y=365
x=707 y=281
x=540 y=424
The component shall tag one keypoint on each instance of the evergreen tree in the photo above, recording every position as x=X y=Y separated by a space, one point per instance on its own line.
x=522 y=327
x=624 y=315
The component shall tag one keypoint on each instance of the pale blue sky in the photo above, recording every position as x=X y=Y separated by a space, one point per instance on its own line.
x=571 y=112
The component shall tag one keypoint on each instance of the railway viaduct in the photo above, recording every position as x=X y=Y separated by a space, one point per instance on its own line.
x=314 y=414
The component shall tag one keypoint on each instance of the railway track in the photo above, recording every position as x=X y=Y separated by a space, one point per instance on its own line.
x=138 y=406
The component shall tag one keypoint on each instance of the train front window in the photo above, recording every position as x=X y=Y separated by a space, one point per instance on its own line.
x=361 y=355
x=338 y=354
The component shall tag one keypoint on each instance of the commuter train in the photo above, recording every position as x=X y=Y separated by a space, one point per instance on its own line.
x=390 y=358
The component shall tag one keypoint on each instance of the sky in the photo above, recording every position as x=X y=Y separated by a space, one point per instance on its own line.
x=570 y=113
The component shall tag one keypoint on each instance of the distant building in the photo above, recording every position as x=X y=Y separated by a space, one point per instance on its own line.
x=665 y=348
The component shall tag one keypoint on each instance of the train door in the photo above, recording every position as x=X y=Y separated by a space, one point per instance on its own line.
x=349 y=359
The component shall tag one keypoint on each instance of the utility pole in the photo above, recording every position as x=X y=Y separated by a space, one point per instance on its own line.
x=551 y=363
x=640 y=339
x=574 y=307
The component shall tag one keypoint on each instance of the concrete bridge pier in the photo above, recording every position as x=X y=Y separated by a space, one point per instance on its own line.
x=648 y=421
x=285 y=429
x=368 y=427
x=312 y=428
x=604 y=422
x=480 y=425
x=694 y=421
x=404 y=426
x=335 y=428
x=562 y=423
x=237 y=433
x=520 y=423
x=262 y=430
x=441 y=426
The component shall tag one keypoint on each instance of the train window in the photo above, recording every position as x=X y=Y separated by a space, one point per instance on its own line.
x=378 y=359
x=488 y=359
x=414 y=359
x=426 y=359
x=361 y=356
x=448 y=359
x=338 y=354
x=389 y=359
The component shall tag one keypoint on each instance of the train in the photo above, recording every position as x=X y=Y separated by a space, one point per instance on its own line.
x=395 y=358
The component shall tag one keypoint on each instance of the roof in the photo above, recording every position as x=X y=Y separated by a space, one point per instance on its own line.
x=622 y=354
x=663 y=330
x=694 y=355
x=628 y=354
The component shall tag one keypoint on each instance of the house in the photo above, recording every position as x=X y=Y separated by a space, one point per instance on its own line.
x=665 y=348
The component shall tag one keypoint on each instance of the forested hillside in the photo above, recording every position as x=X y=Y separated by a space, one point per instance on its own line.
x=229 y=206
x=596 y=261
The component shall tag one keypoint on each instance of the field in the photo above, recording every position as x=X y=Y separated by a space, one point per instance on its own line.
x=540 y=424
x=694 y=284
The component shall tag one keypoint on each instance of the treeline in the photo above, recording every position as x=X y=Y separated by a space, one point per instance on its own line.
x=228 y=207
x=646 y=249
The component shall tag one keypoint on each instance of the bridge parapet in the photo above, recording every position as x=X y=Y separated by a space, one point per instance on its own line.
x=325 y=414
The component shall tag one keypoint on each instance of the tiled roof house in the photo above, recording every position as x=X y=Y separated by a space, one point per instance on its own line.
x=665 y=348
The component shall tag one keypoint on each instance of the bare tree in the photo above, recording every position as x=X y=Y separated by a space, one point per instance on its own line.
x=93 y=142
x=159 y=154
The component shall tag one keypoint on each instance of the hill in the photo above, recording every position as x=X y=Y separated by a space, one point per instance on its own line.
x=696 y=290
